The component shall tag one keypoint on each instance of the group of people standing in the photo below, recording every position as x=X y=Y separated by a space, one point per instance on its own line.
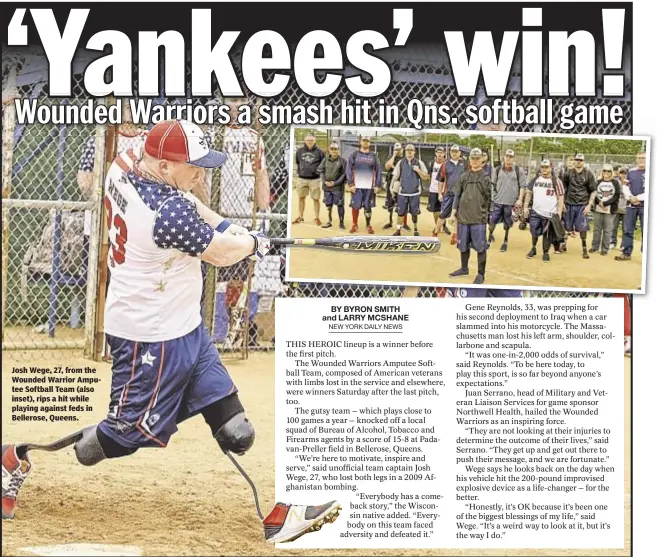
x=474 y=197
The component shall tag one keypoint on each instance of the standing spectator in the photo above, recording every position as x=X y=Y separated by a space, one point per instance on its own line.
x=363 y=181
x=510 y=181
x=488 y=170
x=308 y=159
x=450 y=172
x=619 y=218
x=545 y=196
x=570 y=164
x=407 y=183
x=635 y=193
x=333 y=172
x=391 y=198
x=472 y=197
x=581 y=187
x=245 y=188
x=606 y=206
x=435 y=196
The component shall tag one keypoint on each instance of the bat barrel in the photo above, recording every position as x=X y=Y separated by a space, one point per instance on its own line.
x=371 y=244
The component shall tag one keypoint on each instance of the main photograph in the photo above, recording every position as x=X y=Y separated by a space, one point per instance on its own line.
x=484 y=207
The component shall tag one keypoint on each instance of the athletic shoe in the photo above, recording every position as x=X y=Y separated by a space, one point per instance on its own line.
x=563 y=248
x=329 y=224
x=503 y=247
x=460 y=273
x=479 y=279
x=318 y=222
x=628 y=345
x=593 y=250
x=585 y=254
x=342 y=226
x=453 y=240
x=297 y=220
x=286 y=523
x=546 y=257
x=406 y=227
x=604 y=252
x=397 y=232
x=623 y=257
x=446 y=230
x=14 y=472
x=370 y=230
x=416 y=233
x=531 y=253
x=387 y=225
x=354 y=228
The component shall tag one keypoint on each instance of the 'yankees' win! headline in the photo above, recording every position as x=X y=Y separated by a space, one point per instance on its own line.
x=268 y=76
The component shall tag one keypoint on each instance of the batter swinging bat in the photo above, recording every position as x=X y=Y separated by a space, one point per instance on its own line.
x=370 y=244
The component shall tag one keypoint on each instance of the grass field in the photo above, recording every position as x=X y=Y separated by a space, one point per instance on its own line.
x=512 y=268
x=186 y=499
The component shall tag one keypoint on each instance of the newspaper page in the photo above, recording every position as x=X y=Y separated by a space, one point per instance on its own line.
x=369 y=282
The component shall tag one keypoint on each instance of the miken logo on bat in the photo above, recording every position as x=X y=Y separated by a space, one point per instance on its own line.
x=391 y=246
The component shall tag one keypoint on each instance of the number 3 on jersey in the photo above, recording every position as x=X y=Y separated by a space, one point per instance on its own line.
x=121 y=236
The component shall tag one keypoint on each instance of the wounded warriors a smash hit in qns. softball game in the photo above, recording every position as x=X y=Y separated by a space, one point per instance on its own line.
x=165 y=368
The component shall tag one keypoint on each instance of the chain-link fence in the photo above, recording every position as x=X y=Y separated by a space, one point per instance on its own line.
x=50 y=219
x=43 y=198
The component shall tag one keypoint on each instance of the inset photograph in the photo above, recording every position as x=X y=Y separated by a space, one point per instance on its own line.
x=446 y=207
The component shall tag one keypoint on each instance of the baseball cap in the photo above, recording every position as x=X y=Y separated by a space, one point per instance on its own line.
x=440 y=150
x=607 y=167
x=455 y=147
x=510 y=153
x=475 y=152
x=397 y=146
x=182 y=141
x=409 y=147
x=579 y=157
x=334 y=145
x=546 y=162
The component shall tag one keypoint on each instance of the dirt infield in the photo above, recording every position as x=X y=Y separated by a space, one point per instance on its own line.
x=186 y=499
x=508 y=269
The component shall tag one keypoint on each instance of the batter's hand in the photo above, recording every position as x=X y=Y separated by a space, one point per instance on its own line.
x=262 y=245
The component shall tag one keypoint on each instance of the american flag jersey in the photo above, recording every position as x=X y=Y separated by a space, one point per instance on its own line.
x=156 y=236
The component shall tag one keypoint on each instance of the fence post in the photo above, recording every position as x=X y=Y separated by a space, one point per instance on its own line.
x=94 y=241
x=8 y=127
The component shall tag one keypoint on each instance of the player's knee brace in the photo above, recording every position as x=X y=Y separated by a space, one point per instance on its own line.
x=88 y=449
x=236 y=435
x=229 y=424
x=95 y=446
